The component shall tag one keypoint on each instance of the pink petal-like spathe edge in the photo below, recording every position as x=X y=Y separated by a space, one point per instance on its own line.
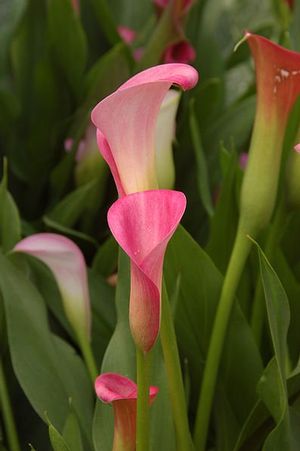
x=65 y=260
x=126 y=121
x=181 y=75
x=112 y=387
x=142 y=223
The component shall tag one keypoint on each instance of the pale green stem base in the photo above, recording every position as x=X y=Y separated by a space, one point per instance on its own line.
x=7 y=414
x=88 y=357
x=236 y=265
x=259 y=309
x=143 y=413
x=174 y=375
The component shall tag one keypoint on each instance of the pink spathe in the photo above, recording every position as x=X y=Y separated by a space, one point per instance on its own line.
x=65 y=260
x=126 y=122
x=143 y=223
x=121 y=392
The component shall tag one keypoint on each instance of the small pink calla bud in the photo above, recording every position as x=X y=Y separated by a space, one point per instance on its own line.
x=126 y=123
x=143 y=223
x=121 y=392
x=65 y=260
x=127 y=34
x=278 y=86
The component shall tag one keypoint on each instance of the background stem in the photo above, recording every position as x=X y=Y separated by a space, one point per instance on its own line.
x=236 y=265
x=7 y=414
x=142 y=416
x=88 y=357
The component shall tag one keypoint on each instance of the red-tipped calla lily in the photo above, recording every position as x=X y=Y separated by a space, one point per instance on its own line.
x=65 y=260
x=121 y=392
x=126 y=123
x=142 y=223
x=278 y=86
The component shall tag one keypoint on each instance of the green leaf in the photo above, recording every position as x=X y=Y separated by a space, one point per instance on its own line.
x=42 y=362
x=272 y=387
x=104 y=313
x=106 y=20
x=67 y=231
x=109 y=71
x=202 y=173
x=68 y=41
x=199 y=291
x=120 y=358
x=56 y=439
x=232 y=127
x=10 y=226
x=69 y=210
x=10 y=14
x=105 y=260
x=224 y=221
x=71 y=433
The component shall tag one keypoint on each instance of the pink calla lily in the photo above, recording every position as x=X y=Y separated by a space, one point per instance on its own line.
x=143 y=223
x=65 y=260
x=121 y=392
x=126 y=123
x=180 y=52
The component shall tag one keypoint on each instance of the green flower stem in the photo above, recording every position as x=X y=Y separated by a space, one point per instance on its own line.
x=174 y=375
x=236 y=265
x=7 y=414
x=274 y=235
x=88 y=356
x=143 y=413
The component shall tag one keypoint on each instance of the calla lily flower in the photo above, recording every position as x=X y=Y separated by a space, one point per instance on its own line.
x=143 y=223
x=121 y=392
x=278 y=86
x=126 y=122
x=67 y=264
x=164 y=136
x=180 y=52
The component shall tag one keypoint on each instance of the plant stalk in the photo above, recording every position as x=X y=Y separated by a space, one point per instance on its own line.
x=7 y=414
x=143 y=412
x=88 y=357
x=235 y=268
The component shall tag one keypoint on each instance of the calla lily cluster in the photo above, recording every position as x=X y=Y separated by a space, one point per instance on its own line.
x=141 y=223
x=144 y=218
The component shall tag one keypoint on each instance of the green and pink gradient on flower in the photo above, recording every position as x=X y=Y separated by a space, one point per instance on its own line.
x=143 y=222
x=144 y=217
x=65 y=260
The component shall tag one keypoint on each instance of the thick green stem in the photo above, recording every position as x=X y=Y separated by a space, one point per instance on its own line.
x=274 y=235
x=143 y=413
x=236 y=265
x=7 y=414
x=89 y=359
x=174 y=374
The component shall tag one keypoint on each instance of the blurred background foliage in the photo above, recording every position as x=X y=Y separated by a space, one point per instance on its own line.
x=58 y=58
